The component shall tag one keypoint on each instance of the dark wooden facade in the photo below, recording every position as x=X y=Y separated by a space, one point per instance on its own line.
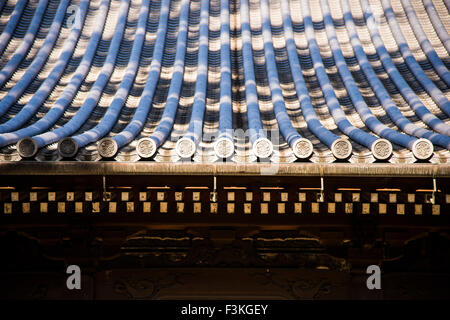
x=151 y=231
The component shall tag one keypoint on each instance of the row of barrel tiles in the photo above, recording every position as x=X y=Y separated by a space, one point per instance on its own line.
x=201 y=201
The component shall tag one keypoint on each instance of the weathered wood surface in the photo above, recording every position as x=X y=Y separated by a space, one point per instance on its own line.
x=224 y=169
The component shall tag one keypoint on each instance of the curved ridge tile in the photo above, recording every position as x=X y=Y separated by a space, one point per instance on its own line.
x=165 y=126
x=251 y=95
x=302 y=148
x=14 y=18
x=25 y=45
x=425 y=44
x=41 y=57
x=313 y=122
x=437 y=23
x=70 y=90
x=225 y=146
x=137 y=123
x=225 y=80
x=112 y=113
x=187 y=145
x=383 y=96
x=358 y=101
x=419 y=108
x=94 y=94
x=336 y=112
x=46 y=87
x=447 y=4
x=412 y=63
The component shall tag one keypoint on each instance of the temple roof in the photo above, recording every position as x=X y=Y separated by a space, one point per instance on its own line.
x=353 y=81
